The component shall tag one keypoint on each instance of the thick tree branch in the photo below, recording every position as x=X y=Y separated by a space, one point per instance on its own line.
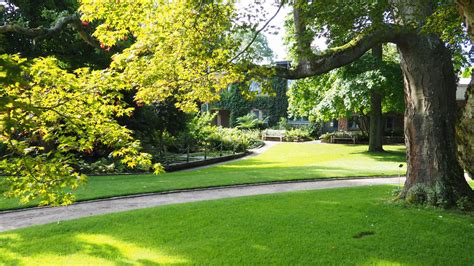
x=466 y=9
x=303 y=41
x=343 y=55
x=60 y=24
x=41 y=32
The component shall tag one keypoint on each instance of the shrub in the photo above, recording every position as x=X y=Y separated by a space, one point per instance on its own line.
x=283 y=124
x=101 y=166
x=3 y=148
x=249 y=121
x=234 y=139
x=297 y=134
x=315 y=129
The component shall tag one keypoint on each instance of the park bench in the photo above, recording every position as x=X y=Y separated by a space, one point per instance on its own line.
x=335 y=139
x=273 y=134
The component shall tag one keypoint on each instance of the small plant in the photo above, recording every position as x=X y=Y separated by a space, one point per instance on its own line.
x=297 y=134
x=283 y=124
x=464 y=204
x=315 y=129
x=248 y=121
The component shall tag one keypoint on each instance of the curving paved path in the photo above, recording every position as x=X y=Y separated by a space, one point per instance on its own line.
x=35 y=216
x=253 y=153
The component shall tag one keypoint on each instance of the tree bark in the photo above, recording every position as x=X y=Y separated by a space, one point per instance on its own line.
x=60 y=24
x=376 y=129
x=465 y=128
x=466 y=10
x=465 y=132
x=434 y=175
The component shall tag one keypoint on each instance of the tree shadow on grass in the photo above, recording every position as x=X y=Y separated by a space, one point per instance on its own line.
x=80 y=248
x=385 y=156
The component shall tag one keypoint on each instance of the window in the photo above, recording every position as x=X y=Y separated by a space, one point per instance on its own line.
x=352 y=123
x=389 y=123
x=255 y=87
x=333 y=123
x=256 y=112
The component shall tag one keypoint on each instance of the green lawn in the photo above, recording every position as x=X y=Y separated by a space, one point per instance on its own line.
x=324 y=227
x=286 y=161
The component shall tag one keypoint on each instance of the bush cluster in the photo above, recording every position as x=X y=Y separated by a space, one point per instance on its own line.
x=298 y=134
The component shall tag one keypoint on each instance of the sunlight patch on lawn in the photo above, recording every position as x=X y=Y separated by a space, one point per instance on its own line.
x=374 y=261
x=95 y=249
x=74 y=259
x=127 y=252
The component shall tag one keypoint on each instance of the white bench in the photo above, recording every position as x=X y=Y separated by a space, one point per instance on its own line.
x=273 y=134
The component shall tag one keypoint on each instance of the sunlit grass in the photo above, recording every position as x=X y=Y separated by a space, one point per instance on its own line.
x=325 y=227
x=92 y=249
x=286 y=161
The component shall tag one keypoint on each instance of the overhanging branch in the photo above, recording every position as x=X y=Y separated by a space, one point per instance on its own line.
x=343 y=55
x=60 y=24
x=466 y=10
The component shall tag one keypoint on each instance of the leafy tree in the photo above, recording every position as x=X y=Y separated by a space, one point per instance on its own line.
x=46 y=115
x=434 y=175
x=66 y=45
x=181 y=48
x=258 y=51
x=347 y=90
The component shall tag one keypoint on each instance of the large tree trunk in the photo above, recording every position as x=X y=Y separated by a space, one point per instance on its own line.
x=376 y=128
x=434 y=175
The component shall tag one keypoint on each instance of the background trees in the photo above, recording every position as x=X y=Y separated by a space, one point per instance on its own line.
x=348 y=90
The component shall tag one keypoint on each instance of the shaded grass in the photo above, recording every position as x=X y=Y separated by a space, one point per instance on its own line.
x=334 y=226
x=286 y=161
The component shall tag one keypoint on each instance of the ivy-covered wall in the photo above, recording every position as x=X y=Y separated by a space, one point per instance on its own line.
x=275 y=102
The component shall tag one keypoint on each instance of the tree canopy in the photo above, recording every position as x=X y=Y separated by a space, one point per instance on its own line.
x=347 y=90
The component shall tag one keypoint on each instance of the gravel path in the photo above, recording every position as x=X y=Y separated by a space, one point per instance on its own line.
x=34 y=216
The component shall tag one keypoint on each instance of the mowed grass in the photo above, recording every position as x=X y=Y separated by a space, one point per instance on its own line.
x=335 y=226
x=286 y=161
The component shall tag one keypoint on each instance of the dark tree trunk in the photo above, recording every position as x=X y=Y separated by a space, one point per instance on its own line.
x=434 y=175
x=363 y=123
x=376 y=127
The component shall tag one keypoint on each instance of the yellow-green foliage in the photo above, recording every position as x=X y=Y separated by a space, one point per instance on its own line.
x=181 y=48
x=47 y=115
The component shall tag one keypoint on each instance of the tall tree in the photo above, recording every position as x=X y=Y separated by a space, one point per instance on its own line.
x=434 y=174
x=348 y=90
